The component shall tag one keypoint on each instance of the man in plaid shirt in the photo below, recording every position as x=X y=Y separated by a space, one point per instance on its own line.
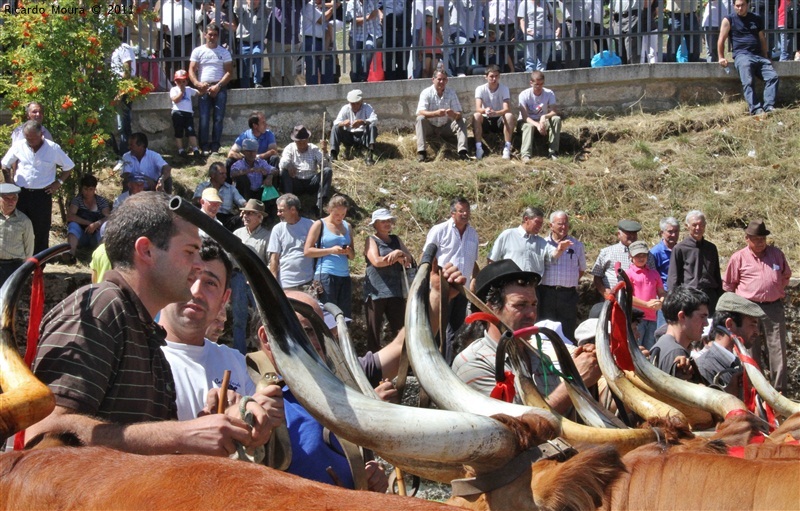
x=304 y=168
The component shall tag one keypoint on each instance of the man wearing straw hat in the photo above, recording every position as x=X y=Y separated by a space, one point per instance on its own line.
x=356 y=125
x=760 y=273
x=304 y=168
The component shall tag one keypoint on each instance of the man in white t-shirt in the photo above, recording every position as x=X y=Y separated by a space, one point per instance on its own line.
x=493 y=112
x=210 y=69
x=123 y=64
x=198 y=365
x=286 y=260
x=537 y=117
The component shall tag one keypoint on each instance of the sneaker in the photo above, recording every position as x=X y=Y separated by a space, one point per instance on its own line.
x=758 y=112
x=506 y=153
x=769 y=109
x=369 y=160
x=553 y=156
x=181 y=152
x=421 y=157
x=196 y=152
x=526 y=159
x=463 y=155
x=479 y=152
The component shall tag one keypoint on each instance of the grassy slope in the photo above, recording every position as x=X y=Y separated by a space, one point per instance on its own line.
x=714 y=158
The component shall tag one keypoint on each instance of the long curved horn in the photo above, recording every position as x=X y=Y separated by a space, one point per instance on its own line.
x=396 y=430
x=779 y=403
x=449 y=392
x=349 y=352
x=699 y=419
x=641 y=403
x=25 y=400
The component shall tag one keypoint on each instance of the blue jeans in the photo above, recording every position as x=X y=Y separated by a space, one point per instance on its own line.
x=750 y=65
x=241 y=301
x=785 y=45
x=319 y=68
x=206 y=103
x=338 y=291
x=252 y=69
x=536 y=53
x=647 y=334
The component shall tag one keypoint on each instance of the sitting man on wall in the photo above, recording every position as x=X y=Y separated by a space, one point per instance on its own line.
x=304 y=168
x=355 y=126
x=538 y=118
x=267 y=146
x=231 y=198
x=439 y=113
x=141 y=161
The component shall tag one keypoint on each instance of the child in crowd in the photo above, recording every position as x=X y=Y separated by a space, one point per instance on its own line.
x=182 y=113
x=433 y=37
x=648 y=292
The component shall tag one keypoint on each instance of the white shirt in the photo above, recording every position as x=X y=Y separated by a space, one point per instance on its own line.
x=151 y=165
x=198 y=369
x=288 y=241
x=502 y=12
x=185 y=103
x=210 y=62
x=36 y=170
x=311 y=14
x=493 y=100
x=454 y=248
x=124 y=53
x=180 y=17
x=537 y=105
x=365 y=113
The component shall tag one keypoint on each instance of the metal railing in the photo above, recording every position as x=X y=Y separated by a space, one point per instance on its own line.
x=316 y=41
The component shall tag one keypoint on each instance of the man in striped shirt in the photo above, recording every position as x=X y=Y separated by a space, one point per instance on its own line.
x=100 y=350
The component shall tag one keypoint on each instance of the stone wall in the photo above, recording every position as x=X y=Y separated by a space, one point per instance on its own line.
x=605 y=91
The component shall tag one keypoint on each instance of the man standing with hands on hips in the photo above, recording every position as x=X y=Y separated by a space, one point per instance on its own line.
x=36 y=174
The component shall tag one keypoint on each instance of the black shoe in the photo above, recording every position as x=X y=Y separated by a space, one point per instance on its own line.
x=463 y=155
x=369 y=160
x=421 y=157
x=334 y=155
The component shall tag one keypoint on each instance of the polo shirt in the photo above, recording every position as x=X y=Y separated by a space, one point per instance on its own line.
x=265 y=140
x=646 y=283
x=661 y=256
x=100 y=354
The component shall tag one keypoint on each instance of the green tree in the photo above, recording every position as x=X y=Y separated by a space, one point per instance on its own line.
x=59 y=55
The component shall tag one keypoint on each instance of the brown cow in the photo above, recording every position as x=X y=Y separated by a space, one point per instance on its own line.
x=101 y=478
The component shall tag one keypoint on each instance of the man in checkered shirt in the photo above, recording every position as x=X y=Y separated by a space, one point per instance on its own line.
x=304 y=168
x=605 y=276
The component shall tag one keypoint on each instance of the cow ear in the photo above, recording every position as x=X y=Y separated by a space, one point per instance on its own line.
x=577 y=484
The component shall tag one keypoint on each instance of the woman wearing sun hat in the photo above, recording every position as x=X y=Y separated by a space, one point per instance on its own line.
x=386 y=257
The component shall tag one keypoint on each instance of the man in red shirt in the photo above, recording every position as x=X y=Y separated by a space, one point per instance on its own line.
x=760 y=273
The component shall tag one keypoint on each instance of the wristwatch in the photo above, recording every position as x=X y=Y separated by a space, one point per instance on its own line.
x=60 y=181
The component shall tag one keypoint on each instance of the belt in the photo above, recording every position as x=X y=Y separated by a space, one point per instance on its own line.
x=767 y=303
x=559 y=288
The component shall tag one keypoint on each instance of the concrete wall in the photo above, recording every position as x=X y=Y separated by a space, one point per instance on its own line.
x=610 y=90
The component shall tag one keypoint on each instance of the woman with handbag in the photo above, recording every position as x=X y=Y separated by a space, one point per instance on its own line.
x=387 y=259
x=330 y=242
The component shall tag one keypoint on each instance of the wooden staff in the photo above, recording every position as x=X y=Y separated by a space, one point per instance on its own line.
x=223 y=392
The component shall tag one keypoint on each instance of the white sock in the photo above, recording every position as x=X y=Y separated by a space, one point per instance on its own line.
x=508 y=145
x=478 y=144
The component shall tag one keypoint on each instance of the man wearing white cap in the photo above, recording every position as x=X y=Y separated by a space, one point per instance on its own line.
x=356 y=125
x=210 y=202
x=16 y=232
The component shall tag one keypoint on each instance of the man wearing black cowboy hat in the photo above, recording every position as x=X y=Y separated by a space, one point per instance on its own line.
x=304 y=168
x=511 y=294
x=760 y=273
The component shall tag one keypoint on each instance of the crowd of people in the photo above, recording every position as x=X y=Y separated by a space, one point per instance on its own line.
x=304 y=40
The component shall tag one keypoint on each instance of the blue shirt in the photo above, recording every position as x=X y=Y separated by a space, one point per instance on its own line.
x=265 y=140
x=334 y=264
x=310 y=454
x=661 y=255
